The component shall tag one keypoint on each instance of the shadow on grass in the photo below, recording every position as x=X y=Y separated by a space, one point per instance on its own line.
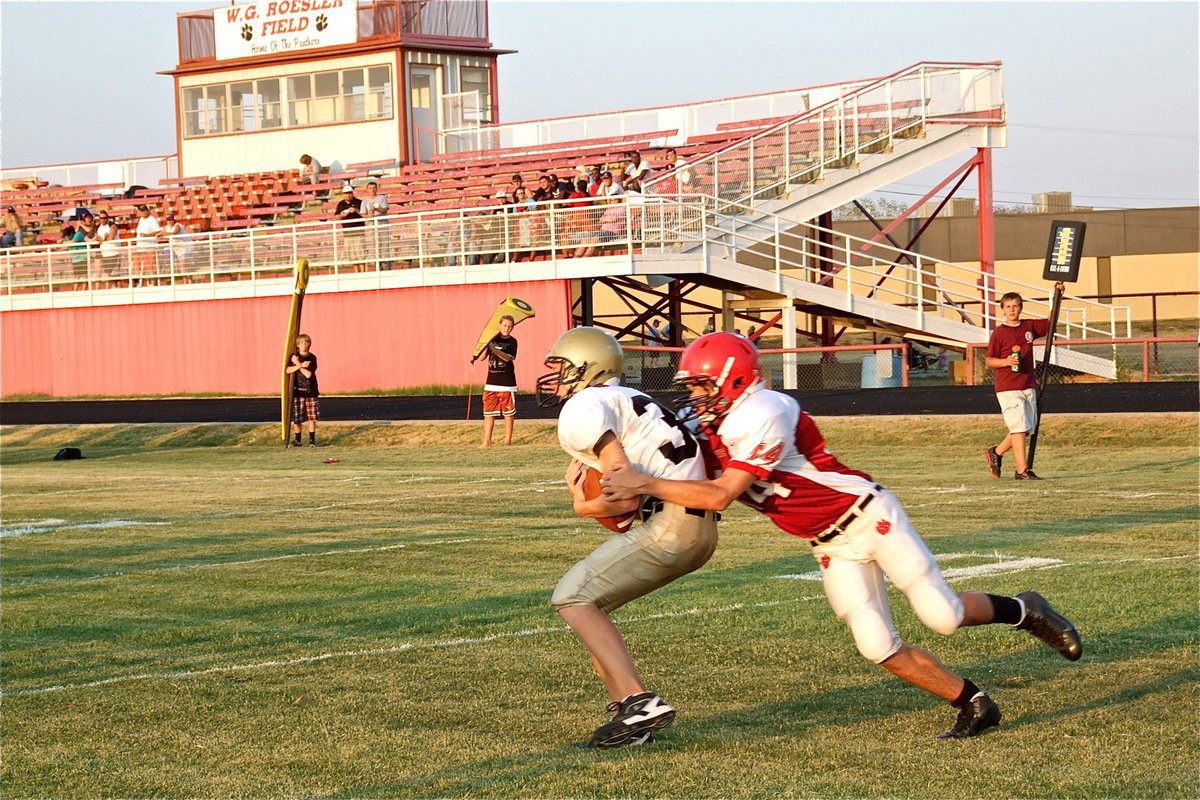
x=817 y=712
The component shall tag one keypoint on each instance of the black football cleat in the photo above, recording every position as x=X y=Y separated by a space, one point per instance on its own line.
x=993 y=461
x=1042 y=621
x=974 y=718
x=637 y=716
x=1027 y=475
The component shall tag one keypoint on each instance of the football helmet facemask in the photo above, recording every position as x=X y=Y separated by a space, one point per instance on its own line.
x=580 y=358
x=716 y=370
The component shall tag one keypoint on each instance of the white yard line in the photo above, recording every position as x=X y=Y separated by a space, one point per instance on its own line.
x=243 y=562
x=461 y=641
x=50 y=526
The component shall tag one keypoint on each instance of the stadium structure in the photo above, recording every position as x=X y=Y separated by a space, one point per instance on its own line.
x=404 y=93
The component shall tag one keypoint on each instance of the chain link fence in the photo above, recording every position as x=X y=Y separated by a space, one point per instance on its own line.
x=883 y=366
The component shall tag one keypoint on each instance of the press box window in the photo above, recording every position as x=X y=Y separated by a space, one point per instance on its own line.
x=478 y=80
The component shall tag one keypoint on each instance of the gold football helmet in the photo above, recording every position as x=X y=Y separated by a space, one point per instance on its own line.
x=580 y=358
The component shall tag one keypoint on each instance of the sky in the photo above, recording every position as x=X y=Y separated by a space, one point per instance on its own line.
x=1103 y=97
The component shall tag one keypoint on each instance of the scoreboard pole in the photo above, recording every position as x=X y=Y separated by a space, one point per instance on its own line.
x=1063 y=254
x=1043 y=371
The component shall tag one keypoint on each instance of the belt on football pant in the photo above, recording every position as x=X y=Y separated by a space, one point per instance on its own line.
x=653 y=505
x=846 y=520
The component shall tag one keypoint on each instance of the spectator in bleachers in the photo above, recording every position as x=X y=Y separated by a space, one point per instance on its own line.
x=674 y=164
x=612 y=227
x=544 y=190
x=310 y=169
x=521 y=228
x=83 y=242
x=375 y=208
x=349 y=212
x=516 y=183
x=635 y=168
x=179 y=242
x=107 y=234
x=579 y=194
x=146 y=238
x=14 y=229
x=556 y=183
x=595 y=175
x=609 y=187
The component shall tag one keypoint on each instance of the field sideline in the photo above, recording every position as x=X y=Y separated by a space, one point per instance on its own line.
x=192 y=611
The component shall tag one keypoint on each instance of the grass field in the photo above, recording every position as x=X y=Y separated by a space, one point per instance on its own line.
x=192 y=611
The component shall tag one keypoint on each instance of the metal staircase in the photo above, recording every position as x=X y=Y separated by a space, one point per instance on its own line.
x=864 y=283
x=868 y=137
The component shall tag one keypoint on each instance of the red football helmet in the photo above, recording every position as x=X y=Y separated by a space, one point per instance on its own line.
x=724 y=365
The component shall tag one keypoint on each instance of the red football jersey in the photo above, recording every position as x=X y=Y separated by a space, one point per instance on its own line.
x=799 y=484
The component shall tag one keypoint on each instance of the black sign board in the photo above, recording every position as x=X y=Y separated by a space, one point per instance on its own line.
x=1064 y=251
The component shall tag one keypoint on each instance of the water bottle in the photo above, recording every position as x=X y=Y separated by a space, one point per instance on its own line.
x=1016 y=351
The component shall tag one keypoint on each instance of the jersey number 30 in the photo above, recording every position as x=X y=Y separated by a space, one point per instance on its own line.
x=675 y=453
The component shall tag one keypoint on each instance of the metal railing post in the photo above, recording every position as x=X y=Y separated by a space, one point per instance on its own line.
x=420 y=245
x=337 y=254
x=629 y=233
x=919 y=289
x=751 y=181
x=778 y=255
x=849 y=275
x=787 y=157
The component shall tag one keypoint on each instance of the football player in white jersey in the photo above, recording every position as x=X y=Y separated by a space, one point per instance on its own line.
x=604 y=425
x=769 y=454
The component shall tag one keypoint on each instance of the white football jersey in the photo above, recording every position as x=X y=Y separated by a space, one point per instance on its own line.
x=654 y=441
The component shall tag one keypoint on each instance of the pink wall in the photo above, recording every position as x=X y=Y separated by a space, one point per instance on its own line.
x=365 y=340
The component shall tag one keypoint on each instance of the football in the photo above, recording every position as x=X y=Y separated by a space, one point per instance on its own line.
x=591 y=490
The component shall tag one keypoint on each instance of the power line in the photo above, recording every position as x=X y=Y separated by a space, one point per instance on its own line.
x=1187 y=200
x=1107 y=133
x=1190 y=201
x=1101 y=174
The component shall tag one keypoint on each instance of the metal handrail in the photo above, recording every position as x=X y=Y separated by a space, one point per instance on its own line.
x=835 y=134
x=1114 y=342
x=688 y=119
x=830 y=257
x=557 y=231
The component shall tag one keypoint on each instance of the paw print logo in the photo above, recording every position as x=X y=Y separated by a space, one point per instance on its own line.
x=247 y=32
x=322 y=22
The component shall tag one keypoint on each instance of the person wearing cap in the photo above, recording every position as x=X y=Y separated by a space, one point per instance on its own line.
x=145 y=250
x=609 y=186
x=14 y=229
x=558 y=184
x=349 y=213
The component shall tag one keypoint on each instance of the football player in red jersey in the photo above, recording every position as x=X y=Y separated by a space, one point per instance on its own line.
x=768 y=453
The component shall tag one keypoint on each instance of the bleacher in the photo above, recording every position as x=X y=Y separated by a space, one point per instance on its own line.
x=450 y=181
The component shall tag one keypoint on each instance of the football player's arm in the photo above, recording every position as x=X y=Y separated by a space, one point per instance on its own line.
x=611 y=453
x=623 y=480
